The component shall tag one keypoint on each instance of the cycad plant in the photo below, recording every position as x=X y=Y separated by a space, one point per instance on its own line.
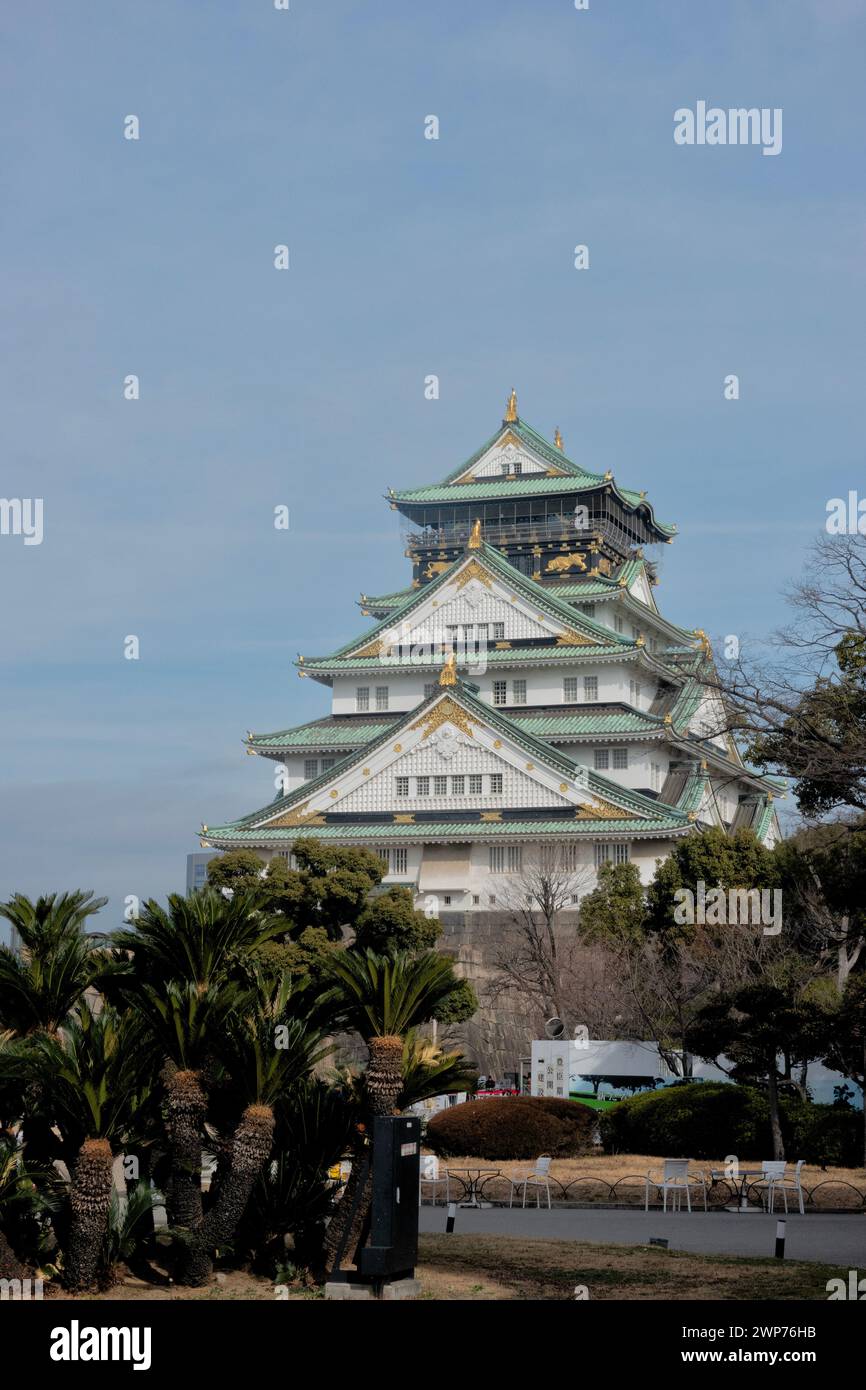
x=270 y=1044
x=183 y=969
x=93 y=1080
x=381 y=997
x=55 y=963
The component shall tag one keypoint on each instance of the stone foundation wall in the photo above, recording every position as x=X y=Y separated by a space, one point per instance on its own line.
x=502 y=1030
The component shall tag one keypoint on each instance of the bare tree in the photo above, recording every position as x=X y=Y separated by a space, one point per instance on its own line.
x=536 y=956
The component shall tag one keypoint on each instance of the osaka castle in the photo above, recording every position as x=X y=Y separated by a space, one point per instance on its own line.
x=523 y=701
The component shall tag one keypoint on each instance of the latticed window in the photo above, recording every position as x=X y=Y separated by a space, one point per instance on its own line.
x=311 y=768
x=601 y=759
x=496 y=783
x=499 y=632
x=398 y=859
x=569 y=690
x=327 y=764
x=497 y=858
x=518 y=692
x=440 y=786
x=620 y=757
x=381 y=697
x=457 y=786
x=402 y=786
x=422 y=786
x=475 y=784
x=611 y=854
x=514 y=858
x=362 y=698
x=500 y=692
x=655 y=777
x=590 y=687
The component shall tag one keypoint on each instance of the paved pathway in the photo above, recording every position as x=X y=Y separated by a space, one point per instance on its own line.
x=835 y=1240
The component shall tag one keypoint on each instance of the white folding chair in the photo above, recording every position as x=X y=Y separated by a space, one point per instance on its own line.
x=772 y=1170
x=779 y=1182
x=537 y=1177
x=676 y=1180
x=431 y=1177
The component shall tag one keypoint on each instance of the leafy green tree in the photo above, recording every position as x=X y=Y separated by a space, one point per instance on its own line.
x=846 y=1038
x=713 y=858
x=328 y=889
x=390 y=923
x=751 y=1027
x=616 y=909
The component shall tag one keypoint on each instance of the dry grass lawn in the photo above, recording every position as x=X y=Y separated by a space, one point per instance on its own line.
x=612 y=1168
x=496 y=1268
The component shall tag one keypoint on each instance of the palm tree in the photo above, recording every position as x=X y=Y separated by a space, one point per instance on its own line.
x=180 y=969
x=382 y=998
x=55 y=965
x=93 y=1080
x=271 y=1043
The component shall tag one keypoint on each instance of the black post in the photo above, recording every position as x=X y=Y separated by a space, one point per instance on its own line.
x=780 y=1240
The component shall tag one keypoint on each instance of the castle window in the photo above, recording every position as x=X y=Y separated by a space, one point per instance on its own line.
x=518 y=692
x=611 y=854
x=655 y=777
x=440 y=786
x=618 y=624
x=569 y=690
x=327 y=764
x=422 y=786
x=500 y=692
x=457 y=786
x=587 y=608
x=497 y=859
x=496 y=784
x=620 y=757
x=381 y=697
x=311 y=768
x=601 y=759
x=590 y=687
x=499 y=632
x=362 y=698
x=475 y=785
x=402 y=786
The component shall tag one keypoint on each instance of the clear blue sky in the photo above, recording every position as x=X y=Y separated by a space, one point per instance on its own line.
x=408 y=257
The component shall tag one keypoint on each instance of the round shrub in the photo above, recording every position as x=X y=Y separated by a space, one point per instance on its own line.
x=522 y=1127
x=709 y=1119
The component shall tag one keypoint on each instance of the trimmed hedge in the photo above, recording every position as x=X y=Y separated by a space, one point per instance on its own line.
x=522 y=1127
x=709 y=1119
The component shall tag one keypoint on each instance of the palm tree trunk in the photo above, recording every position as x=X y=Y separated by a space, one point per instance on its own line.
x=186 y=1109
x=10 y=1266
x=91 y=1203
x=251 y=1147
x=348 y=1228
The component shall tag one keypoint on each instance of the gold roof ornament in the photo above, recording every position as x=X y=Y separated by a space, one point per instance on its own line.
x=704 y=641
x=474 y=542
x=511 y=408
x=557 y=438
x=448 y=674
x=608 y=476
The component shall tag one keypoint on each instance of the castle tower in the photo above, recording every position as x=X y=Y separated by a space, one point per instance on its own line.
x=523 y=698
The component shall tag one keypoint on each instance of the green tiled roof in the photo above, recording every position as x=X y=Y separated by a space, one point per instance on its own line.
x=528 y=485
x=543 y=655
x=327 y=733
x=579 y=725
x=432 y=830
x=647 y=810
x=557 y=458
x=340 y=732
x=495 y=561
